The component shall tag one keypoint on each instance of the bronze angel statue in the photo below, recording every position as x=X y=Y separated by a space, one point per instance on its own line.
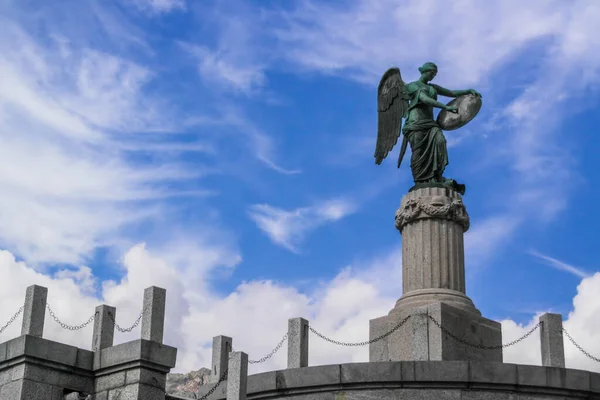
x=415 y=102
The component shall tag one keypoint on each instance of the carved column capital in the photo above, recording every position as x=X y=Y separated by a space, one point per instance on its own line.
x=432 y=207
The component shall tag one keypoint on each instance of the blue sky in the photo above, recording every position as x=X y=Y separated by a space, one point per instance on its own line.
x=224 y=150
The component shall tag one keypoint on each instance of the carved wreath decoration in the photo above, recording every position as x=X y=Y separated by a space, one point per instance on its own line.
x=411 y=210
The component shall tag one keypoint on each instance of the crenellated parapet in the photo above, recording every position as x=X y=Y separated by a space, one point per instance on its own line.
x=34 y=368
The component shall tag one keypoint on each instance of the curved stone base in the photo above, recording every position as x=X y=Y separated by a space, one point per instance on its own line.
x=420 y=380
x=424 y=297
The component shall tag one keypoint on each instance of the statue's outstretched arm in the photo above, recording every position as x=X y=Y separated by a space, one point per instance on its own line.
x=431 y=102
x=454 y=93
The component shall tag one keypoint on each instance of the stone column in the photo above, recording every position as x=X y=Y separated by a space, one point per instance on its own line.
x=297 y=343
x=237 y=379
x=153 y=320
x=104 y=327
x=222 y=346
x=432 y=222
x=34 y=311
x=551 y=339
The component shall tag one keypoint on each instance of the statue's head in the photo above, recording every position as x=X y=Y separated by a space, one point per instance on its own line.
x=428 y=70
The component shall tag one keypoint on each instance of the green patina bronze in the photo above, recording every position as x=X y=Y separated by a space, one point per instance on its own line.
x=415 y=102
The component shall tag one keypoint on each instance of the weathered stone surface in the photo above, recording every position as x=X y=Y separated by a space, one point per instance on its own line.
x=34 y=311
x=420 y=326
x=407 y=394
x=483 y=395
x=424 y=371
x=68 y=379
x=222 y=346
x=27 y=345
x=423 y=380
x=595 y=382
x=237 y=377
x=378 y=351
x=313 y=376
x=153 y=319
x=104 y=327
x=159 y=354
x=572 y=379
x=498 y=373
x=432 y=242
x=551 y=340
x=37 y=391
x=3 y=351
x=110 y=381
x=263 y=382
x=529 y=375
x=136 y=392
x=297 y=343
x=441 y=346
x=11 y=391
x=146 y=376
x=371 y=372
x=101 y=396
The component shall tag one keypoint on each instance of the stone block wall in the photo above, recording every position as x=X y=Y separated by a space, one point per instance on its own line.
x=34 y=368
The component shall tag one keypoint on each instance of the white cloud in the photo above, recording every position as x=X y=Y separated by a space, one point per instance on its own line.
x=255 y=314
x=581 y=323
x=227 y=70
x=484 y=237
x=67 y=186
x=362 y=38
x=288 y=228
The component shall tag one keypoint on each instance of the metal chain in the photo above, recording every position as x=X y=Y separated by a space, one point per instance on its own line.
x=69 y=327
x=579 y=347
x=10 y=321
x=136 y=323
x=360 y=343
x=479 y=346
x=212 y=389
x=265 y=358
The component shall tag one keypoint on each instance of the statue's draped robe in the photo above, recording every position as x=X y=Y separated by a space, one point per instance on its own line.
x=427 y=142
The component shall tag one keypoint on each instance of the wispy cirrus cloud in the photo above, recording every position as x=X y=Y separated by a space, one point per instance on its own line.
x=226 y=69
x=560 y=265
x=67 y=187
x=288 y=228
x=158 y=6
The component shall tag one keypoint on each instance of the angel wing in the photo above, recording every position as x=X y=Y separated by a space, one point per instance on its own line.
x=392 y=104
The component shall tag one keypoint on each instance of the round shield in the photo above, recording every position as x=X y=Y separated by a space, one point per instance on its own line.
x=468 y=106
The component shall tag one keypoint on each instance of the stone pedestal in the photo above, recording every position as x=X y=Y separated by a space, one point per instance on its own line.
x=432 y=222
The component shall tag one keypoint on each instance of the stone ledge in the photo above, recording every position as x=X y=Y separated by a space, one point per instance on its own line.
x=478 y=376
x=47 y=350
x=161 y=355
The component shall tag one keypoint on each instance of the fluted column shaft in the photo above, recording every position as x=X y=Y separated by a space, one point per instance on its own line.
x=432 y=222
